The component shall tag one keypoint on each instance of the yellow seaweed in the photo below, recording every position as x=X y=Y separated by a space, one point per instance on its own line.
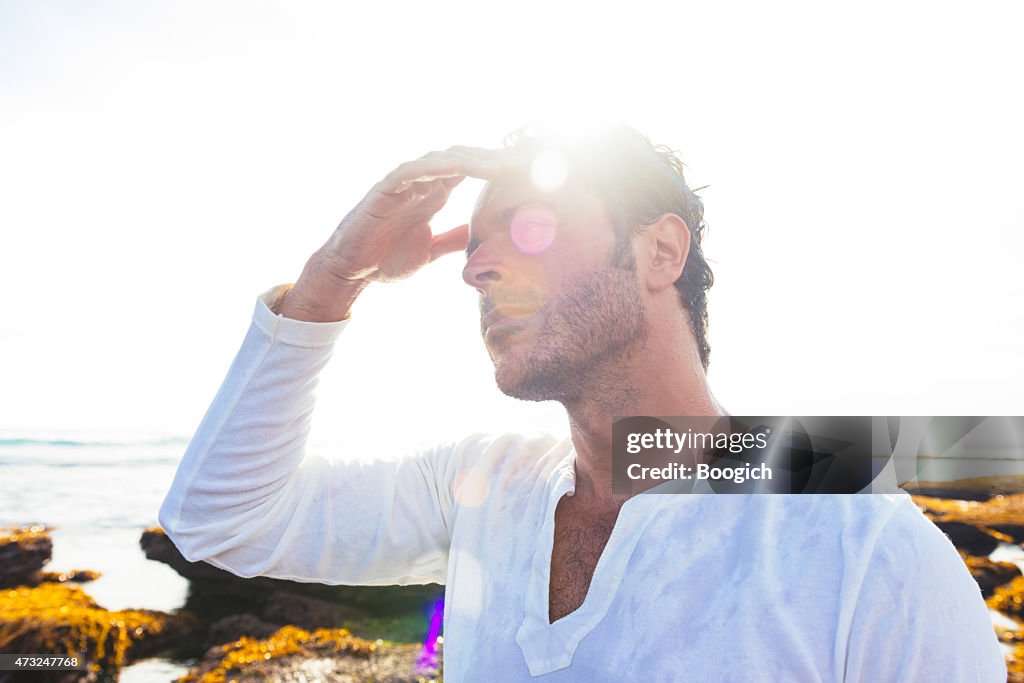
x=285 y=641
x=57 y=618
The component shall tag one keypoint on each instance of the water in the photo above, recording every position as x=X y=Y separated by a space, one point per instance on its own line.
x=152 y=670
x=100 y=494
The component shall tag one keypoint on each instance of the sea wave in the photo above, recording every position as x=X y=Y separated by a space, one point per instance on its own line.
x=62 y=442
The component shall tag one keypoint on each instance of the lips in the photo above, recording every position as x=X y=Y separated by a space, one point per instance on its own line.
x=507 y=312
x=499 y=319
x=496 y=321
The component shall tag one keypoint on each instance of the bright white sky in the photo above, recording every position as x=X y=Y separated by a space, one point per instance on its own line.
x=161 y=163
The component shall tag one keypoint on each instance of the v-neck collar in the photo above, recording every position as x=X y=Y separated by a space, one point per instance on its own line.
x=549 y=647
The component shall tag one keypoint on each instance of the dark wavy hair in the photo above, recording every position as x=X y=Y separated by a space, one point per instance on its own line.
x=639 y=182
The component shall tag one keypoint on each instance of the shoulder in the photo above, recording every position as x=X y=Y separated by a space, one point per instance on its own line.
x=509 y=448
x=877 y=537
x=867 y=518
x=883 y=539
x=860 y=521
x=507 y=458
x=913 y=594
x=910 y=548
x=895 y=536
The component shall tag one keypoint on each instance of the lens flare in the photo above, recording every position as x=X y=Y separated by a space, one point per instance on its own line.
x=427 y=662
x=533 y=228
x=549 y=170
x=471 y=488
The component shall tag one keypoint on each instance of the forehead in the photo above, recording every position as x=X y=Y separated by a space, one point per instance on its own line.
x=502 y=196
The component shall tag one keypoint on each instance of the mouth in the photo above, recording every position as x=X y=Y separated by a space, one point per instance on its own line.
x=495 y=321
x=502 y=313
x=506 y=316
x=501 y=325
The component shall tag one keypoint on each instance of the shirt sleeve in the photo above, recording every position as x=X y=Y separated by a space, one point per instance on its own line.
x=249 y=499
x=920 y=616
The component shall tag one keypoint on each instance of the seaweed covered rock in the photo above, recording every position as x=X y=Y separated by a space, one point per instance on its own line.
x=292 y=653
x=57 y=618
x=231 y=628
x=1014 y=640
x=1009 y=599
x=977 y=527
x=971 y=539
x=23 y=552
x=989 y=574
x=307 y=612
x=72 y=575
x=978 y=489
x=1006 y=510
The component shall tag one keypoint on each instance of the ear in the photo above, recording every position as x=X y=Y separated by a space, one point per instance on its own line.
x=667 y=242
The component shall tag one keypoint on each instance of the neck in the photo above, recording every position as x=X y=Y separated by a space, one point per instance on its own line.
x=663 y=378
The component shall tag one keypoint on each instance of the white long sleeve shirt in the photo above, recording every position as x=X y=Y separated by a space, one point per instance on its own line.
x=807 y=589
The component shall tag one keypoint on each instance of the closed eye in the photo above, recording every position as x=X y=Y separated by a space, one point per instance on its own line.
x=504 y=219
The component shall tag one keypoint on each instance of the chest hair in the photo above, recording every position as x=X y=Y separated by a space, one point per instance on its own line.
x=580 y=537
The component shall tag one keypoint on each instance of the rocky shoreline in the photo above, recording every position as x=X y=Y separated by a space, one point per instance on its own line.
x=261 y=629
x=230 y=628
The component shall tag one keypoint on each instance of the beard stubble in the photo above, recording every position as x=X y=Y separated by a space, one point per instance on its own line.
x=583 y=342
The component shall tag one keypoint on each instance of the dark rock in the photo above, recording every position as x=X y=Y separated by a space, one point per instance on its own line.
x=210 y=604
x=231 y=628
x=307 y=612
x=970 y=539
x=157 y=546
x=178 y=627
x=1014 y=531
x=952 y=491
x=215 y=593
x=989 y=574
x=376 y=600
x=23 y=552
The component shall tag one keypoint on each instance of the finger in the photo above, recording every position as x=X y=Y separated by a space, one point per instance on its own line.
x=422 y=198
x=455 y=239
x=430 y=197
x=470 y=161
x=451 y=183
x=476 y=152
x=503 y=155
x=419 y=171
x=432 y=168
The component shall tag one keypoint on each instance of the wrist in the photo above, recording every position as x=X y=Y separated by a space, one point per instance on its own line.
x=319 y=296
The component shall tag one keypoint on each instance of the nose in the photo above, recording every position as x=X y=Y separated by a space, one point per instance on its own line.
x=484 y=268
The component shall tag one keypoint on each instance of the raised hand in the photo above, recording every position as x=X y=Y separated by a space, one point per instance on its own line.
x=387 y=236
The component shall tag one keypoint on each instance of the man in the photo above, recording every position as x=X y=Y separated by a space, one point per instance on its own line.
x=592 y=294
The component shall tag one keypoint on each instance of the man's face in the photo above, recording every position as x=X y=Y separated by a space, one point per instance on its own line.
x=558 y=313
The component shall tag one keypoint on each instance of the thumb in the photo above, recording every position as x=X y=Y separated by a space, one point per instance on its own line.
x=455 y=239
